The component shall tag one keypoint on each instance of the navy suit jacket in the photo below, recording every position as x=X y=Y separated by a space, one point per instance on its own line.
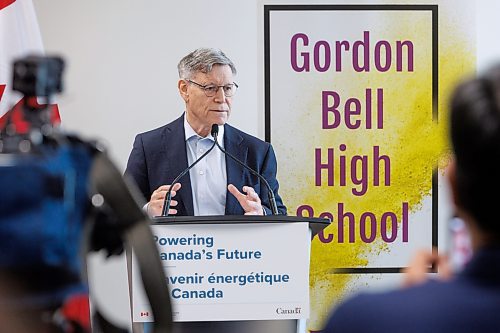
x=468 y=303
x=160 y=155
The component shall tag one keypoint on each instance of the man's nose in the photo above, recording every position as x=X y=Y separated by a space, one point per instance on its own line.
x=219 y=95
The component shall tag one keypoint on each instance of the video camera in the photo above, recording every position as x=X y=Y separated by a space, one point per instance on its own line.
x=38 y=76
x=29 y=122
x=61 y=198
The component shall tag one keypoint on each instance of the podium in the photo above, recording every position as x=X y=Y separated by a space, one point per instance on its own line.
x=233 y=273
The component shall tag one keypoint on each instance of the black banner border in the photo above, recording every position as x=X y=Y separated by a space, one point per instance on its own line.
x=435 y=81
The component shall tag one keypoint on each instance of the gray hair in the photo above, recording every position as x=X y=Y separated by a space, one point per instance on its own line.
x=202 y=60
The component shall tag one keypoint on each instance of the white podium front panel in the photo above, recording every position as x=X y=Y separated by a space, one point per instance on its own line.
x=242 y=271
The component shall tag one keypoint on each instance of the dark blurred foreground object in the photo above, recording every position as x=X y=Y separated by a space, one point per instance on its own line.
x=62 y=197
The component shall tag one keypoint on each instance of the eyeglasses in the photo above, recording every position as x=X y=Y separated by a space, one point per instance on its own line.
x=212 y=89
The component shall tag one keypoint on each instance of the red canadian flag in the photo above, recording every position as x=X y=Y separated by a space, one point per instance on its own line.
x=19 y=36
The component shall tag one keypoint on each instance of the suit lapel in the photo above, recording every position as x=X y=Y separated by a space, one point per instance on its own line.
x=233 y=143
x=175 y=144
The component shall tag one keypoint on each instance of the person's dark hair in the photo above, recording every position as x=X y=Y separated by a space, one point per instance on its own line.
x=475 y=135
x=202 y=60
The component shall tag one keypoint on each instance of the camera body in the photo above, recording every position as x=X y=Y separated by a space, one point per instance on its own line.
x=28 y=122
x=48 y=222
x=38 y=76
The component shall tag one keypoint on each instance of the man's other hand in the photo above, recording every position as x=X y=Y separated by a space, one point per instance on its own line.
x=250 y=202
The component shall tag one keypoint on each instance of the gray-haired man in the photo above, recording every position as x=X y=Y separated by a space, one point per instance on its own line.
x=213 y=186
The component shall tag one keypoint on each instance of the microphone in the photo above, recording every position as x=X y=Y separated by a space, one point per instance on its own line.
x=168 y=198
x=270 y=193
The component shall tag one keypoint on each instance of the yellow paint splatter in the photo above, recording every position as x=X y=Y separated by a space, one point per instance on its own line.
x=414 y=142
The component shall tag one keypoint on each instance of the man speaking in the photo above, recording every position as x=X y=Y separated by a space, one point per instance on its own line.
x=216 y=185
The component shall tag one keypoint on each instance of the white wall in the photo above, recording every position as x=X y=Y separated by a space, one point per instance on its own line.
x=488 y=27
x=122 y=60
x=121 y=79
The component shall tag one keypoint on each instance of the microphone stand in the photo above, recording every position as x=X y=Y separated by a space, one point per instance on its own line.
x=168 y=198
x=214 y=132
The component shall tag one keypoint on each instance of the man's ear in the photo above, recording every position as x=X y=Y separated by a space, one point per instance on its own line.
x=451 y=172
x=182 y=85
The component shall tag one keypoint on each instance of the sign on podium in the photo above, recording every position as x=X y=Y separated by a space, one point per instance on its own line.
x=228 y=268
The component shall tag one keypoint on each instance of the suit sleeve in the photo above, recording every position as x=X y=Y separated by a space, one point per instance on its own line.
x=341 y=322
x=137 y=167
x=363 y=313
x=269 y=171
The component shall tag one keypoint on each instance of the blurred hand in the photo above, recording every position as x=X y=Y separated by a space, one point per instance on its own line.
x=155 y=205
x=417 y=271
x=250 y=202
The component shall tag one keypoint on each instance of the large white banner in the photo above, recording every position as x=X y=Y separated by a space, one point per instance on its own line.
x=350 y=131
x=355 y=100
x=231 y=272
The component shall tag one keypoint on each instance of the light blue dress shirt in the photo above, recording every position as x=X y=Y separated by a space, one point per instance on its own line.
x=208 y=176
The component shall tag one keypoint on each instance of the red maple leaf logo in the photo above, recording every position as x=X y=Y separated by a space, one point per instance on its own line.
x=16 y=117
x=2 y=89
x=5 y=3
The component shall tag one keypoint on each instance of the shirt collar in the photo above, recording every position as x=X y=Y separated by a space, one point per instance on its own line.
x=189 y=132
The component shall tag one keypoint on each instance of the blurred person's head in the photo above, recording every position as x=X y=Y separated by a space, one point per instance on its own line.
x=475 y=135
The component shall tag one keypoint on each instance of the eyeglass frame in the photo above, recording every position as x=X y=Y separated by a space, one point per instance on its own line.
x=204 y=87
